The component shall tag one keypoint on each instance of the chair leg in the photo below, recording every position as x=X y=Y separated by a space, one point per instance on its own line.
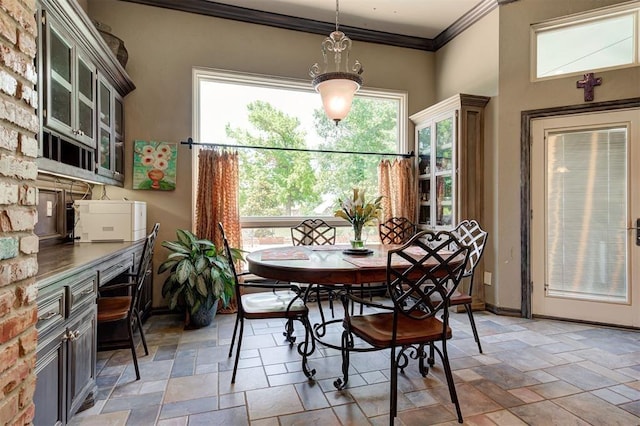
x=233 y=338
x=288 y=332
x=133 y=351
x=450 y=382
x=393 y=395
x=235 y=363
x=431 y=360
x=144 y=340
x=467 y=307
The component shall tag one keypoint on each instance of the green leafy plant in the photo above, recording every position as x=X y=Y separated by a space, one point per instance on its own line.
x=200 y=272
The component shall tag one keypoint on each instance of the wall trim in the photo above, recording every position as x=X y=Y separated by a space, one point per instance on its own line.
x=525 y=180
x=225 y=11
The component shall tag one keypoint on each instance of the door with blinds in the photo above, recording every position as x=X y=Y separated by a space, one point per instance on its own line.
x=585 y=223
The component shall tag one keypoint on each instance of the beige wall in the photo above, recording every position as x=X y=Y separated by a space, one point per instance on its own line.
x=517 y=94
x=163 y=47
x=469 y=64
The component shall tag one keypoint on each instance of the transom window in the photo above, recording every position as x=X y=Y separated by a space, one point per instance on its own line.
x=603 y=39
x=279 y=188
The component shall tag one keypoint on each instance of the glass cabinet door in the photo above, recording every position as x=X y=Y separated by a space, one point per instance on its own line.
x=444 y=172
x=119 y=135
x=104 y=153
x=424 y=175
x=110 y=150
x=444 y=145
x=86 y=102
x=70 y=88
x=60 y=83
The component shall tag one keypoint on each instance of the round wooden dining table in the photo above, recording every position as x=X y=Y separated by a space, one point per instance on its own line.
x=325 y=265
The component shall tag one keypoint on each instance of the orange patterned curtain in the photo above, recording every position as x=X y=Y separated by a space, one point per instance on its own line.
x=396 y=183
x=217 y=201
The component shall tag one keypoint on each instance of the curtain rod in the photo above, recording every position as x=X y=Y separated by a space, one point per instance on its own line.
x=190 y=142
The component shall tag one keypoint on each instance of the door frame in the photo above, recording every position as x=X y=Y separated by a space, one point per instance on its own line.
x=526 y=284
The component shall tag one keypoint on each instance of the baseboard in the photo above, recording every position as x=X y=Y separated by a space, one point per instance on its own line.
x=510 y=312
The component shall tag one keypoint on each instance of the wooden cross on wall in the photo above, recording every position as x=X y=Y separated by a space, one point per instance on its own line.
x=588 y=83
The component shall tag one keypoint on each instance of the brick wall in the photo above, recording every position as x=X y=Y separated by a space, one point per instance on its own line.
x=18 y=215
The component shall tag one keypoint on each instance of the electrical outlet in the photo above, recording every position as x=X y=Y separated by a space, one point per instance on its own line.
x=49 y=208
x=487 y=278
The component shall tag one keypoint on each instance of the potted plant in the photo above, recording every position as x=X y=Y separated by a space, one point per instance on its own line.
x=200 y=275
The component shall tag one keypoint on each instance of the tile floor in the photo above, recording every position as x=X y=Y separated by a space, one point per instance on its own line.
x=536 y=372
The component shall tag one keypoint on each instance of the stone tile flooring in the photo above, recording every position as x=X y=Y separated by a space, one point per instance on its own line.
x=536 y=372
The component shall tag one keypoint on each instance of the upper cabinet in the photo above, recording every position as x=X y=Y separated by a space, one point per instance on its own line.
x=450 y=147
x=110 y=132
x=69 y=86
x=82 y=91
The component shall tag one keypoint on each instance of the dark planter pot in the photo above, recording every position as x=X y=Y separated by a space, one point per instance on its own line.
x=203 y=317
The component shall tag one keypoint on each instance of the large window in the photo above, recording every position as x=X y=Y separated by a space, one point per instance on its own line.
x=602 y=39
x=278 y=188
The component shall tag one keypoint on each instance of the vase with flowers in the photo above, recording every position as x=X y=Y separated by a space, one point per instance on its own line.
x=358 y=211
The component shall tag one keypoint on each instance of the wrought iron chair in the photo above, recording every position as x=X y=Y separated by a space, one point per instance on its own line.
x=316 y=232
x=429 y=264
x=396 y=230
x=125 y=308
x=282 y=301
x=313 y=232
x=471 y=234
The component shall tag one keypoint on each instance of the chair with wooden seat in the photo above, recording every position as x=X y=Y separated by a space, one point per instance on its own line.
x=316 y=232
x=112 y=309
x=396 y=230
x=421 y=276
x=471 y=234
x=279 y=301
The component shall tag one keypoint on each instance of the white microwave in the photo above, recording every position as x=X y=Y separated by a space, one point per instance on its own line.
x=110 y=220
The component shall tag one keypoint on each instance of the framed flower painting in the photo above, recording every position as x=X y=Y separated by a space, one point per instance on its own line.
x=154 y=165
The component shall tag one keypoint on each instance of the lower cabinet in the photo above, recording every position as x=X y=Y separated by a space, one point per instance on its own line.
x=66 y=370
x=67 y=328
x=50 y=394
x=81 y=378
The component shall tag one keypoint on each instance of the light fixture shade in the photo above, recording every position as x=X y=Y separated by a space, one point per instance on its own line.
x=337 y=90
x=337 y=82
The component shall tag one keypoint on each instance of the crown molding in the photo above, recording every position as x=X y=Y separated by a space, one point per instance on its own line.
x=225 y=11
x=466 y=20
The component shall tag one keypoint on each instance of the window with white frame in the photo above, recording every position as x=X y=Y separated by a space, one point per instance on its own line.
x=606 y=38
x=279 y=188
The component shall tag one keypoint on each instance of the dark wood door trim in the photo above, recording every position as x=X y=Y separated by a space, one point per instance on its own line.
x=525 y=180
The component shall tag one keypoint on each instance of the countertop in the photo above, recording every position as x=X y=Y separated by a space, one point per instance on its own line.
x=60 y=260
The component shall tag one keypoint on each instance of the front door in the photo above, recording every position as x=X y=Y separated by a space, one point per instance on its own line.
x=585 y=193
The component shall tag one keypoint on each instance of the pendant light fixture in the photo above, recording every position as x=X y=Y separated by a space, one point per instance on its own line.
x=337 y=84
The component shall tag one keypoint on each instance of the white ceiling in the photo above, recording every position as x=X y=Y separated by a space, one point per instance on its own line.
x=418 y=18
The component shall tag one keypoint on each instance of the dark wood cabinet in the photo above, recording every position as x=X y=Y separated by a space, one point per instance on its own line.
x=68 y=281
x=50 y=391
x=82 y=90
x=450 y=147
x=110 y=132
x=69 y=85
x=449 y=142
x=81 y=379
